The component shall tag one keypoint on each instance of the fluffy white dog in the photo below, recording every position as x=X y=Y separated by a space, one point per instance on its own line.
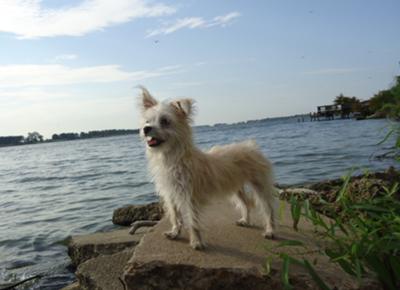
x=187 y=178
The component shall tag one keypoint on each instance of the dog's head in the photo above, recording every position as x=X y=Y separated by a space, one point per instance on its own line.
x=165 y=125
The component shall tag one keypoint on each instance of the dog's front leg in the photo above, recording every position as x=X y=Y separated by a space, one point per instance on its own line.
x=194 y=228
x=175 y=219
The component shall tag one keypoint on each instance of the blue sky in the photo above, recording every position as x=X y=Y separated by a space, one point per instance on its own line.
x=71 y=66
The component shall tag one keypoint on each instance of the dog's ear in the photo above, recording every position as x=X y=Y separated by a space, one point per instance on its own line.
x=146 y=99
x=184 y=107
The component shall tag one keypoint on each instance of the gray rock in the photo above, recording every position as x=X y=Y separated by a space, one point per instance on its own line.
x=126 y=215
x=160 y=275
x=73 y=286
x=233 y=258
x=103 y=272
x=83 y=248
x=163 y=276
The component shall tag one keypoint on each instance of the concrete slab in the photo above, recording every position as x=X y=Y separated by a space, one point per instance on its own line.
x=103 y=272
x=85 y=247
x=230 y=246
x=73 y=286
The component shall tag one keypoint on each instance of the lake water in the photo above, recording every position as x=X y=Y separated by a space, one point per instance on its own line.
x=51 y=191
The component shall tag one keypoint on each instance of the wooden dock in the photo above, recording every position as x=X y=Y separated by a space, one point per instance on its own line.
x=330 y=112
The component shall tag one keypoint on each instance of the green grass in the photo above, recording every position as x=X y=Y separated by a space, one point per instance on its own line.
x=363 y=238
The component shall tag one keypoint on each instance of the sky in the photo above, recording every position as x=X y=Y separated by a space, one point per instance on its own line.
x=74 y=65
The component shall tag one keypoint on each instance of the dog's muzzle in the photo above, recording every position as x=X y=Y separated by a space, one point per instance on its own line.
x=151 y=140
x=154 y=142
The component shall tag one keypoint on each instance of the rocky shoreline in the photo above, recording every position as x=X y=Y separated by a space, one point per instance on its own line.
x=146 y=260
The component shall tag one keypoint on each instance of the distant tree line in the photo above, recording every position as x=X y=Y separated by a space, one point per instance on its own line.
x=385 y=103
x=35 y=137
x=32 y=138
x=11 y=140
x=92 y=134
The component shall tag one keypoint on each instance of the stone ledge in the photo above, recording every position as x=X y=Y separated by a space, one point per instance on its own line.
x=160 y=275
x=73 y=286
x=85 y=247
x=103 y=272
x=231 y=251
x=126 y=215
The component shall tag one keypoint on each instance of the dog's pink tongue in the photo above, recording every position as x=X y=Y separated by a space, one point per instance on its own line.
x=152 y=141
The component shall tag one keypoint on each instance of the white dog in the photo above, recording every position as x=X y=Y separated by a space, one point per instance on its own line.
x=187 y=178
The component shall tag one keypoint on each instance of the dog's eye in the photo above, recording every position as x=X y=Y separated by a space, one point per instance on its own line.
x=164 y=122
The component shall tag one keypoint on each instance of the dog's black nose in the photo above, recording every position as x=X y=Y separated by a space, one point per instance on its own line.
x=147 y=129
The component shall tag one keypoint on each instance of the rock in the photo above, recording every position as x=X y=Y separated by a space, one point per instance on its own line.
x=83 y=248
x=103 y=272
x=234 y=256
x=359 y=189
x=231 y=251
x=126 y=215
x=160 y=275
x=73 y=286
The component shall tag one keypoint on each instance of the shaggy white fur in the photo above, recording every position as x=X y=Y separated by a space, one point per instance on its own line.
x=187 y=178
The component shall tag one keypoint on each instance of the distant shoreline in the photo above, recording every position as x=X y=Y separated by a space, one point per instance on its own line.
x=36 y=138
x=8 y=141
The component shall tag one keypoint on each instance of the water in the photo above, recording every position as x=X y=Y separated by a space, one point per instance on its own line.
x=52 y=191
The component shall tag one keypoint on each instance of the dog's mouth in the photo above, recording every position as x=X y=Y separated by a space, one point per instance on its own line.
x=154 y=142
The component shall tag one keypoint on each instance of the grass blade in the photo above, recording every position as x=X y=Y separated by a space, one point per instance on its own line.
x=285 y=272
x=321 y=284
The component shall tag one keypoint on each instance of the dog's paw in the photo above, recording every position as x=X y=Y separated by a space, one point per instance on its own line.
x=172 y=235
x=242 y=223
x=269 y=235
x=197 y=245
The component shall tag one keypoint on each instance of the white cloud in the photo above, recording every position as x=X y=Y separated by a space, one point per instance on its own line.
x=195 y=22
x=56 y=74
x=63 y=57
x=200 y=63
x=224 y=20
x=192 y=22
x=30 y=19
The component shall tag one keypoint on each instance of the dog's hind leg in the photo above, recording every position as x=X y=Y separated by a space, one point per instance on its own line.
x=244 y=205
x=265 y=194
x=175 y=219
